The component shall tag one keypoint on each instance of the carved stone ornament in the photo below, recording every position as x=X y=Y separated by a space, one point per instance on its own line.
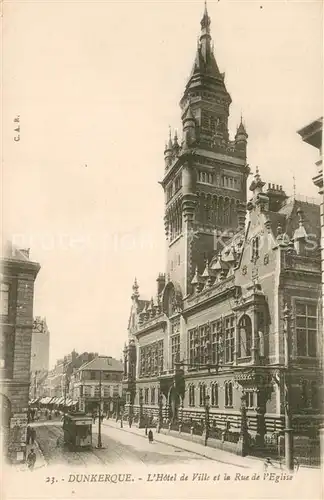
x=244 y=270
x=266 y=259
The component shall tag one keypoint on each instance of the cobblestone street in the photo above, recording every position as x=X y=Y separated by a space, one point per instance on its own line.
x=118 y=448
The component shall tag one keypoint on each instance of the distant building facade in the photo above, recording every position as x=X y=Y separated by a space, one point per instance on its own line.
x=39 y=363
x=105 y=372
x=215 y=330
x=40 y=346
x=17 y=300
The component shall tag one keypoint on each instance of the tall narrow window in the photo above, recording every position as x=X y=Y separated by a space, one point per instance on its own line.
x=175 y=350
x=245 y=337
x=250 y=396
x=229 y=339
x=228 y=394
x=306 y=329
x=214 y=394
x=153 y=396
x=255 y=249
x=202 y=394
x=146 y=396
x=191 y=395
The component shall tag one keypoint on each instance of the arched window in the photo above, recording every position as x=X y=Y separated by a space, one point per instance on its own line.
x=214 y=394
x=191 y=395
x=202 y=394
x=228 y=394
x=245 y=337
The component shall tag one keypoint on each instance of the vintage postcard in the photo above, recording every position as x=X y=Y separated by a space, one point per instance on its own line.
x=162 y=261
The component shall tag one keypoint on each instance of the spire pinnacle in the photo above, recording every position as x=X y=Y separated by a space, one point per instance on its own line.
x=205 y=22
x=135 y=294
x=170 y=139
x=241 y=128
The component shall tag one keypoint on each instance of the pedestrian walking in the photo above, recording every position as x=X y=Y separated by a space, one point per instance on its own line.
x=31 y=459
x=150 y=436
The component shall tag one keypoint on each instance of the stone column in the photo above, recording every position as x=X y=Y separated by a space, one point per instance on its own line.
x=254 y=349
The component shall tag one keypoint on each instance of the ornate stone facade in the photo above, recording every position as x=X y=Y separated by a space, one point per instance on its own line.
x=215 y=328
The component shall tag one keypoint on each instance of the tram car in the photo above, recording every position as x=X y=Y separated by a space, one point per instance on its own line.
x=77 y=429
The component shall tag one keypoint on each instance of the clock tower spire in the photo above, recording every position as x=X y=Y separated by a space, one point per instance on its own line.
x=205 y=175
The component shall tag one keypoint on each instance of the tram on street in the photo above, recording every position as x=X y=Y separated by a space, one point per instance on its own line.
x=77 y=429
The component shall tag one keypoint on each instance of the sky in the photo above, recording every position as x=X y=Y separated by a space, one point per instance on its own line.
x=96 y=86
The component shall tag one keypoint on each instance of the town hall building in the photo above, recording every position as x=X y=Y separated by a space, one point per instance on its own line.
x=238 y=304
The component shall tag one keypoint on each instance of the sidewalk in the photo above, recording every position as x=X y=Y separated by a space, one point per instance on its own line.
x=204 y=451
x=40 y=460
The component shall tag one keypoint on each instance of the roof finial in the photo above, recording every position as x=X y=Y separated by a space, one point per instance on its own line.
x=205 y=22
x=135 y=294
x=170 y=139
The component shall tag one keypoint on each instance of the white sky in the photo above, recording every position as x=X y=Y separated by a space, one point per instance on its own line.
x=98 y=83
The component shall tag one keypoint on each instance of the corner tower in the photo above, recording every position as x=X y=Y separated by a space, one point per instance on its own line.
x=205 y=175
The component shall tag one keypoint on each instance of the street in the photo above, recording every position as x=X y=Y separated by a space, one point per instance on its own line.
x=119 y=448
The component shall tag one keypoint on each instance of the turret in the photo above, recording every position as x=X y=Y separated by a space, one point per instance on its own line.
x=189 y=129
x=241 y=136
x=176 y=147
x=168 y=152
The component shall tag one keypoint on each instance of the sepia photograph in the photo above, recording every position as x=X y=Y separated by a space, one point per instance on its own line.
x=162 y=265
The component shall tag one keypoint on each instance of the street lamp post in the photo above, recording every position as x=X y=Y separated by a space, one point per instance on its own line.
x=99 y=445
x=160 y=422
x=141 y=410
x=207 y=399
x=122 y=417
x=287 y=388
x=243 y=440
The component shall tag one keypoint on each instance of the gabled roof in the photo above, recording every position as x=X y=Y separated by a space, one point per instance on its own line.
x=103 y=363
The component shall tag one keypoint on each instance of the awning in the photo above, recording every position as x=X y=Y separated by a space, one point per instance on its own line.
x=46 y=400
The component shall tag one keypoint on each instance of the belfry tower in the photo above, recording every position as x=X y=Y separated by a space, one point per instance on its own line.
x=205 y=174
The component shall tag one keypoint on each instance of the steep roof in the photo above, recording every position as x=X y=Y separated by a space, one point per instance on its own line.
x=103 y=363
x=311 y=216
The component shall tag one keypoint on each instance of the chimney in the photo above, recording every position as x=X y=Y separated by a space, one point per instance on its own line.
x=276 y=196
